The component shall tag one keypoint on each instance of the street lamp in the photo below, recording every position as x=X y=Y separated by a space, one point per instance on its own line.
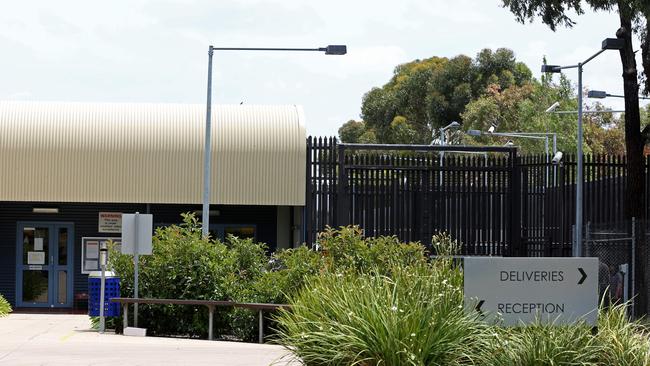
x=599 y=94
x=607 y=44
x=329 y=50
x=442 y=130
x=552 y=109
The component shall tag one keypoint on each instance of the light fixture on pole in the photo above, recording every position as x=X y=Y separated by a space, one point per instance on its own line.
x=443 y=142
x=607 y=44
x=205 y=219
x=553 y=107
x=599 y=94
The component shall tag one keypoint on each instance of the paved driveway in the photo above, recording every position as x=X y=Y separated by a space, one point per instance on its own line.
x=52 y=339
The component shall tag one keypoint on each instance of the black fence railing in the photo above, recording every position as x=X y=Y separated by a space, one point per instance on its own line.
x=487 y=198
x=415 y=191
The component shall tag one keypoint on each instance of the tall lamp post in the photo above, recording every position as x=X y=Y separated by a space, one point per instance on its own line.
x=607 y=44
x=329 y=50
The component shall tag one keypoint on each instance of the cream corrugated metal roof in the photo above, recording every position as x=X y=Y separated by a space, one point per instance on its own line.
x=150 y=153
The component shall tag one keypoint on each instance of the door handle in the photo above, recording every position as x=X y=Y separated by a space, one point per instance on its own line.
x=51 y=260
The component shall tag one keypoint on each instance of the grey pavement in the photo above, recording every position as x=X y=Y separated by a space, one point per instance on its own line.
x=53 y=339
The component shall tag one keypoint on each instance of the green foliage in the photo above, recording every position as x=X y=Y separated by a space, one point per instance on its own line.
x=556 y=13
x=351 y=131
x=544 y=344
x=364 y=309
x=424 y=95
x=346 y=249
x=623 y=342
x=412 y=317
x=184 y=265
x=5 y=308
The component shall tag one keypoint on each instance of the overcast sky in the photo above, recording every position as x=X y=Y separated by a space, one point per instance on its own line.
x=156 y=50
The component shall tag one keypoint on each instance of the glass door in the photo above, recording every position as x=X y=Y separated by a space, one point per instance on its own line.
x=44 y=265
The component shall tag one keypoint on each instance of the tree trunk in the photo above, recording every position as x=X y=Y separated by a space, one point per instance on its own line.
x=645 y=53
x=635 y=186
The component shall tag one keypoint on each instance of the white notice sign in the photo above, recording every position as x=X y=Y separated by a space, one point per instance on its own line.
x=38 y=244
x=110 y=222
x=92 y=249
x=35 y=257
x=521 y=289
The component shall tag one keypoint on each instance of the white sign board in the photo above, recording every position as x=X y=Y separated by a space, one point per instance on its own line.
x=136 y=232
x=519 y=290
x=110 y=222
x=35 y=257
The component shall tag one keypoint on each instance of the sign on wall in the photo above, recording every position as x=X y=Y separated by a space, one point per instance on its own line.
x=90 y=252
x=519 y=290
x=110 y=222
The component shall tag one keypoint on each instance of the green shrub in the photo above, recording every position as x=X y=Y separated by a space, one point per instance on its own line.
x=5 y=308
x=414 y=317
x=346 y=249
x=183 y=265
x=286 y=273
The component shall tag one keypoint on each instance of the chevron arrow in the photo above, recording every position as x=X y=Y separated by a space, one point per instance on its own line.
x=584 y=276
x=479 y=305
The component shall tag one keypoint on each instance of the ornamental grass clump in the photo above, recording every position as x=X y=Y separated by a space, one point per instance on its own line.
x=623 y=342
x=5 y=308
x=542 y=344
x=414 y=316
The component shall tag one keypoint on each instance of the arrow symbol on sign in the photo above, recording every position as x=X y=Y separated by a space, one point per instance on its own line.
x=479 y=305
x=584 y=276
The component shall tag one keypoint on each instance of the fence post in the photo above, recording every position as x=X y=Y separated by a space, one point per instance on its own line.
x=633 y=270
x=515 y=248
x=307 y=210
x=341 y=196
x=210 y=322
x=587 y=237
x=261 y=326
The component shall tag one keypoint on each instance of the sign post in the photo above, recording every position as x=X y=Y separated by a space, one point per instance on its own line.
x=525 y=290
x=136 y=240
x=103 y=256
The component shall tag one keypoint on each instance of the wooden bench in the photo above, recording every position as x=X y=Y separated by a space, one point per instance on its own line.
x=210 y=304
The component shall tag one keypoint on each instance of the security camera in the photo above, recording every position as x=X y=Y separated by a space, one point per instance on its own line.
x=557 y=158
x=553 y=107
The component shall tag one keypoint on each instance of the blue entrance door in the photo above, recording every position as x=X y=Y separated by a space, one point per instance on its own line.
x=44 y=270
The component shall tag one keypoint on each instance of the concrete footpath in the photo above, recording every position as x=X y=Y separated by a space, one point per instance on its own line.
x=52 y=339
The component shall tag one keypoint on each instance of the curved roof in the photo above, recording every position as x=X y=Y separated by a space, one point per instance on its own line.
x=150 y=153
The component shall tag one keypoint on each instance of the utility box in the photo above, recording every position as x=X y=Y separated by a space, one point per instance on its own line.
x=112 y=289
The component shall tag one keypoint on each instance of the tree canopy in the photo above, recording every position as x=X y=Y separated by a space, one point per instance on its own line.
x=555 y=13
x=491 y=89
x=425 y=95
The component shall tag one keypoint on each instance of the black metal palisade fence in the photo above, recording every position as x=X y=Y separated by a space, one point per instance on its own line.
x=489 y=199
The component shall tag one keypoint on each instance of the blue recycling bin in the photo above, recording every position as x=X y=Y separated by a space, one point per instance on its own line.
x=112 y=289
